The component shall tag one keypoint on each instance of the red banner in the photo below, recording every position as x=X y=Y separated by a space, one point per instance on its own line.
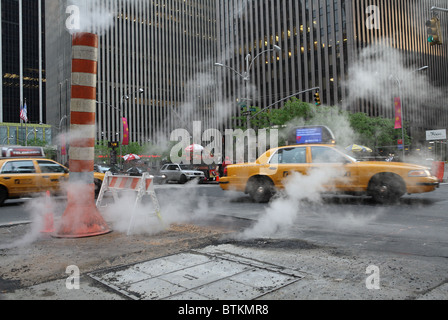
x=398 y=114
x=125 y=132
x=63 y=145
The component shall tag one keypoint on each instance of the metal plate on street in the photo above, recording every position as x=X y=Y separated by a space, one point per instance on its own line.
x=197 y=275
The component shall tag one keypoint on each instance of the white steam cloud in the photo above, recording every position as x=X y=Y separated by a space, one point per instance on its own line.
x=285 y=210
x=89 y=16
x=189 y=206
x=37 y=209
x=382 y=73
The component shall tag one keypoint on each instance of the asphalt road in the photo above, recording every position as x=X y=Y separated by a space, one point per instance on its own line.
x=415 y=226
x=292 y=248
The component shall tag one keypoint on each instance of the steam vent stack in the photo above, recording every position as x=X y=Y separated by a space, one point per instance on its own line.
x=81 y=218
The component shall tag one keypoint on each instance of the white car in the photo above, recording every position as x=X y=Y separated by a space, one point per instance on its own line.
x=181 y=173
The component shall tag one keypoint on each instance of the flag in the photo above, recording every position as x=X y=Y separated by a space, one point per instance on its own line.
x=125 y=132
x=24 y=113
x=398 y=114
x=63 y=145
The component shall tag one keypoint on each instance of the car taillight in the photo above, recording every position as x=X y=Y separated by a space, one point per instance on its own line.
x=225 y=172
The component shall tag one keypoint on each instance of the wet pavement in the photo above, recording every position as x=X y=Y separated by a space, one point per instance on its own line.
x=189 y=262
x=207 y=260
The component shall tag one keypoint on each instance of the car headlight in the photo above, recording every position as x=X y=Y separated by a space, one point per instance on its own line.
x=419 y=173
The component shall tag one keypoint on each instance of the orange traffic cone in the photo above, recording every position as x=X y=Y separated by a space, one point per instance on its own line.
x=48 y=216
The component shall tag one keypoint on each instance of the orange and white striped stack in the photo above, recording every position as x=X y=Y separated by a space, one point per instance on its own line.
x=81 y=217
x=83 y=107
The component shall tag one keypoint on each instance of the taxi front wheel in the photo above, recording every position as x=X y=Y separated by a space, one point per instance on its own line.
x=261 y=190
x=386 y=188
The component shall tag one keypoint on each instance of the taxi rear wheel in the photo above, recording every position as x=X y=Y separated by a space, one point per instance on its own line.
x=261 y=190
x=98 y=185
x=386 y=188
x=3 y=195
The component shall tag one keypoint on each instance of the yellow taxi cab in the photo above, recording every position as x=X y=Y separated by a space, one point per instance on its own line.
x=24 y=171
x=386 y=182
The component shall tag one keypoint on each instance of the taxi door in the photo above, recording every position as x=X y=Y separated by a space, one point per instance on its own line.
x=285 y=162
x=338 y=173
x=52 y=175
x=20 y=177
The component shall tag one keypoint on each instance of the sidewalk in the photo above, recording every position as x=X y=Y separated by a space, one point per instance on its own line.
x=189 y=262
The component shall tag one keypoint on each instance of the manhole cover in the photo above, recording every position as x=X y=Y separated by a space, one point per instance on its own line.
x=197 y=275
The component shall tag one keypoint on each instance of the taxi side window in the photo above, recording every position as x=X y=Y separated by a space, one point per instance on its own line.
x=326 y=155
x=50 y=167
x=19 y=167
x=289 y=156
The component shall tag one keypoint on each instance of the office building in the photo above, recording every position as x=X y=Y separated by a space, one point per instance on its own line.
x=30 y=70
x=326 y=44
x=152 y=65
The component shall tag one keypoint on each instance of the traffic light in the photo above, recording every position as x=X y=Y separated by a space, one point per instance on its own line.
x=317 y=99
x=113 y=145
x=434 y=31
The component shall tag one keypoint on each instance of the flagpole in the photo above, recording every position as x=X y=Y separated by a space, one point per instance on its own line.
x=21 y=60
x=41 y=118
x=1 y=65
x=21 y=51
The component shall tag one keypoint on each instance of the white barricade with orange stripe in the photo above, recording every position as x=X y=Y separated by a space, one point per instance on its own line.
x=142 y=185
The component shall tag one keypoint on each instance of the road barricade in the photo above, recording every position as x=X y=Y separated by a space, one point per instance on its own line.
x=142 y=185
x=438 y=169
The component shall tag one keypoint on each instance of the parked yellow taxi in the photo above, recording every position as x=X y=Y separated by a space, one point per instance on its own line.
x=386 y=182
x=22 y=176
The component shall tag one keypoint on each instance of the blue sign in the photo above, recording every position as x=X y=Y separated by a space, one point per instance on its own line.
x=309 y=135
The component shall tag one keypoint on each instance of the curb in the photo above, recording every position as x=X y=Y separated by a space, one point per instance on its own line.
x=15 y=223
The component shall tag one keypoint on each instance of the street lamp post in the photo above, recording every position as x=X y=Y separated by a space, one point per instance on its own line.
x=247 y=74
x=439 y=9
x=26 y=139
x=124 y=99
x=394 y=77
x=7 y=139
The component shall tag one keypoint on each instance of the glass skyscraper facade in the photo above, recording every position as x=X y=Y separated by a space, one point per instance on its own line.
x=165 y=48
x=10 y=68
x=169 y=49
x=327 y=44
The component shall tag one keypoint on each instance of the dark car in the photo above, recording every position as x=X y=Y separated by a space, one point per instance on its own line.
x=103 y=169
x=138 y=172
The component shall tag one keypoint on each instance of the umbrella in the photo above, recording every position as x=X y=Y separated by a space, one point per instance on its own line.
x=130 y=157
x=358 y=148
x=194 y=148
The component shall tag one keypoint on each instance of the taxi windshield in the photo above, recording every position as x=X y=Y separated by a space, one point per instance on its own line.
x=347 y=154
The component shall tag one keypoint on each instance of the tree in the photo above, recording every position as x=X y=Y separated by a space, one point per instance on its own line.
x=349 y=128
x=376 y=131
x=293 y=109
